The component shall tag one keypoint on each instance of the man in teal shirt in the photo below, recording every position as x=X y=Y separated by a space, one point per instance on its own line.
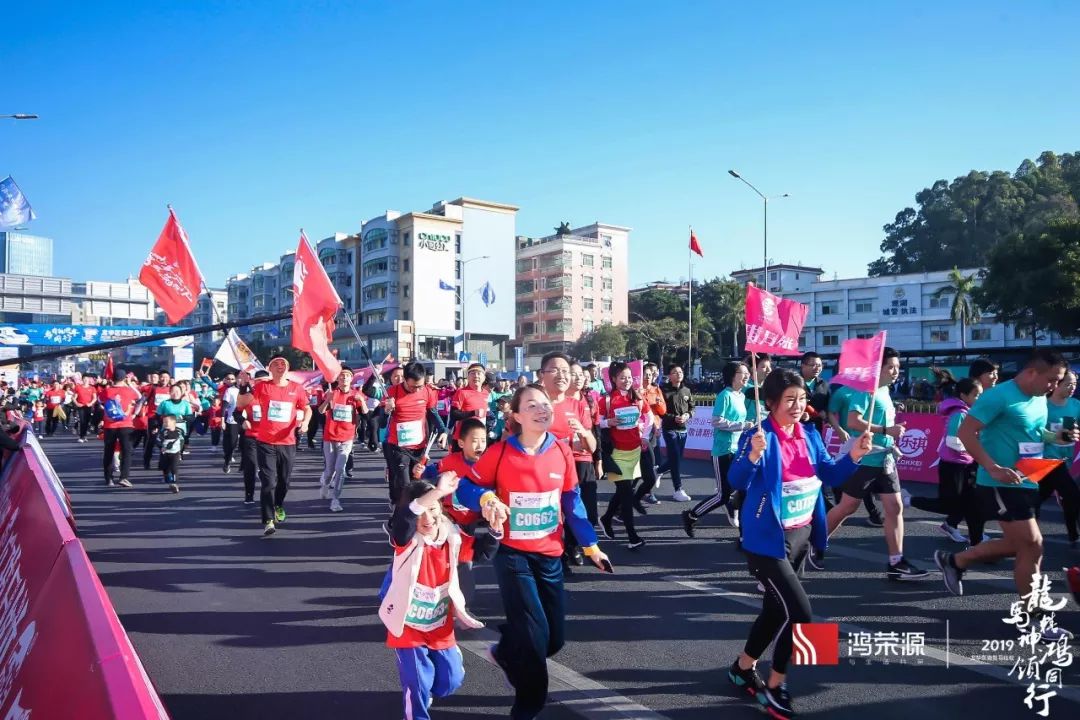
x=1006 y=426
x=839 y=399
x=877 y=470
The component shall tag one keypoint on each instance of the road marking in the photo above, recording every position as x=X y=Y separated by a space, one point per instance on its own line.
x=586 y=698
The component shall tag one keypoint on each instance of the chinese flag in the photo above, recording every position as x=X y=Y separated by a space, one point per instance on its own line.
x=109 y=372
x=315 y=303
x=694 y=246
x=171 y=273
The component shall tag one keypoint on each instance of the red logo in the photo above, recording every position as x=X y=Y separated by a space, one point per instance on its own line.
x=816 y=643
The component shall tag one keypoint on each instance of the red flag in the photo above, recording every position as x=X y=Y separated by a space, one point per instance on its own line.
x=694 y=244
x=109 y=372
x=773 y=325
x=860 y=363
x=171 y=273
x=315 y=303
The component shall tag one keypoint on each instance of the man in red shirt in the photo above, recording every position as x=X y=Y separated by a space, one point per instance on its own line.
x=54 y=398
x=85 y=399
x=280 y=400
x=155 y=393
x=410 y=407
x=471 y=400
x=119 y=402
x=341 y=406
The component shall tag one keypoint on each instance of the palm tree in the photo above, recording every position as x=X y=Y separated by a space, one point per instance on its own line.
x=733 y=301
x=963 y=310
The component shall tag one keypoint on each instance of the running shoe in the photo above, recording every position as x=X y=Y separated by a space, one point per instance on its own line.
x=335 y=505
x=732 y=515
x=688 y=522
x=225 y=468
x=746 y=681
x=904 y=570
x=639 y=508
x=635 y=544
x=652 y=499
x=609 y=531
x=952 y=575
x=875 y=520
x=249 y=500
x=493 y=658
x=681 y=496
x=279 y=514
x=268 y=528
x=348 y=474
x=124 y=482
x=953 y=534
x=175 y=488
x=776 y=701
x=816 y=559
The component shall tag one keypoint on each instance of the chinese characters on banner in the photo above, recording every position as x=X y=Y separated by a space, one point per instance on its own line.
x=1042 y=661
x=860 y=363
x=773 y=325
x=170 y=272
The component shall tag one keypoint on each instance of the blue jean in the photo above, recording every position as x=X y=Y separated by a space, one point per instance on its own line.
x=532 y=593
x=674 y=445
x=425 y=673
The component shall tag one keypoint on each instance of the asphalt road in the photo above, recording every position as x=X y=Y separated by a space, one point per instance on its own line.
x=230 y=624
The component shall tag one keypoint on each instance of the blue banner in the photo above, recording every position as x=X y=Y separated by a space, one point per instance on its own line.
x=76 y=335
x=519 y=358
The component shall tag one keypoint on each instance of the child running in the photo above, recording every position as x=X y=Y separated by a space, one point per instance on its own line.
x=172 y=445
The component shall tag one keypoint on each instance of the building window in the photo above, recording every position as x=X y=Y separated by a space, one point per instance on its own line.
x=587 y=261
x=829 y=308
x=405 y=315
x=405 y=265
x=940 y=302
x=774 y=275
x=528 y=328
x=405 y=292
x=554 y=305
x=457 y=243
x=606 y=283
x=830 y=339
x=796 y=276
x=554 y=326
x=864 y=306
x=865 y=333
x=587 y=303
x=939 y=334
x=605 y=263
x=587 y=326
x=375 y=240
x=526 y=307
x=567 y=257
x=980 y=334
x=525 y=287
x=526 y=265
x=1021 y=333
x=588 y=280
x=802 y=341
x=606 y=305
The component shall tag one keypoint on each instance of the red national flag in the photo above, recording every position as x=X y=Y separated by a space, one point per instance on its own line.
x=315 y=303
x=860 y=363
x=109 y=372
x=171 y=273
x=773 y=325
x=694 y=244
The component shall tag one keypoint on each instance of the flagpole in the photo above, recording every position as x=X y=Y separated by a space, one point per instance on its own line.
x=356 y=333
x=690 y=316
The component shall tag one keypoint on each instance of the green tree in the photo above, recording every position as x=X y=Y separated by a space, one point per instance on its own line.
x=1031 y=281
x=657 y=304
x=657 y=340
x=964 y=310
x=605 y=340
x=724 y=301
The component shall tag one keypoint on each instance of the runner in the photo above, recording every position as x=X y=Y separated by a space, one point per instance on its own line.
x=341 y=406
x=279 y=401
x=410 y=406
x=1007 y=425
x=587 y=477
x=1062 y=413
x=679 y=404
x=781 y=468
x=120 y=403
x=877 y=471
x=471 y=400
x=172 y=442
x=315 y=399
x=729 y=421
x=54 y=407
x=985 y=371
x=249 y=419
x=651 y=430
x=230 y=427
x=526 y=487
x=619 y=414
x=817 y=390
x=85 y=400
x=154 y=394
x=956 y=471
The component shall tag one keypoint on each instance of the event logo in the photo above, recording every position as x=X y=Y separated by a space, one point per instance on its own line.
x=913 y=443
x=435 y=243
x=768 y=308
x=816 y=643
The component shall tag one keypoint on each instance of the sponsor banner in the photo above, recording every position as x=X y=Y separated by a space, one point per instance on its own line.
x=76 y=335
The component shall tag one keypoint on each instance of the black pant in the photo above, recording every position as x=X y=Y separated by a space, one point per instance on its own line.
x=51 y=421
x=586 y=473
x=249 y=464
x=785 y=601
x=153 y=424
x=313 y=427
x=399 y=464
x=623 y=503
x=112 y=435
x=275 y=467
x=648 y=473
x=84 y=421
x=956 y=498
x=370 y=428
x=215 y=436
x=1060 y=480
x=721 y=465
x=169 y=464
x=228 y=441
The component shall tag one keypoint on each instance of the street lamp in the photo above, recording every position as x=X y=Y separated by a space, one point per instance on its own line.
x=766 y=199
x=462 y=297
x=19 y=116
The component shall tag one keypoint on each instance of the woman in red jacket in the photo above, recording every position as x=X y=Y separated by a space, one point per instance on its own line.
x=619 y=413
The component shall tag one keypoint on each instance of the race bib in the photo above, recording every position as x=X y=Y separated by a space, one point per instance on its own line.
x=428 y=607
x=256 y=412
x=280 y=411
x=160 y=398
x=343 y=413
x=1030 y=449
x=533 y=515
x=56 y=399
x=798 y=498
x=410 y=433
x=627 y=417
x=441 y=406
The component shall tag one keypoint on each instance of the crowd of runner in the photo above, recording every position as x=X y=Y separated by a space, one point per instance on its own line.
x=519 y=484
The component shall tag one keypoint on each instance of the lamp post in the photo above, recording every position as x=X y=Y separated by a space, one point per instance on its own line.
x=765 y=227
x=19 y=116
x=463 y=297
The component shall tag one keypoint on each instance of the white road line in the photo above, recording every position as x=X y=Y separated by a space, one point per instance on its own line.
x=586 y=698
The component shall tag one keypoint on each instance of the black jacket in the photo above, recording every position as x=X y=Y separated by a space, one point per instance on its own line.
x=679 y=401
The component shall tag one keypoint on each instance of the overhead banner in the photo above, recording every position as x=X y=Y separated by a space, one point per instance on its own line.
x=76 y=335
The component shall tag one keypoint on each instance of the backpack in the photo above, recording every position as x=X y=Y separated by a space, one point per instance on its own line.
x=114 y=411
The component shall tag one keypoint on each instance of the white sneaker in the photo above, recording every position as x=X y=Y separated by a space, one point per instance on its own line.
x=953 y=534
x=905 y=497
x=324 y=492
x=335 y=506
x=681 y=496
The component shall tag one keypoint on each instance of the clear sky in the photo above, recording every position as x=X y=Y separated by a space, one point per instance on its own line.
x=257 y=118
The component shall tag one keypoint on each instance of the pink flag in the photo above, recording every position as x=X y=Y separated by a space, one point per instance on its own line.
x=773 y=325
x=860 y=363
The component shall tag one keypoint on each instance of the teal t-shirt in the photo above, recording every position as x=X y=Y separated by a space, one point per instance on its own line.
x=1054 y=415
x=838 y=403
x=180 y=409
x=1014 y=423
x=751 y=411
x=730 y=405
x=884 y=415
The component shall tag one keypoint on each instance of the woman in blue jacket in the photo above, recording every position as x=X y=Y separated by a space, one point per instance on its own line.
x=781 y=469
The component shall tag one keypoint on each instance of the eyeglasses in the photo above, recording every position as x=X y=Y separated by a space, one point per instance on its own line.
x=560 y=373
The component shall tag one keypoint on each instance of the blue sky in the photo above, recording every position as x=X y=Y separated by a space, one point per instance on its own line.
x=257 y=118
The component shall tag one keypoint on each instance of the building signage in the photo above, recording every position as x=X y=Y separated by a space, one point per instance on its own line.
x=899 y=302
x=430 y=241
x=76 y=335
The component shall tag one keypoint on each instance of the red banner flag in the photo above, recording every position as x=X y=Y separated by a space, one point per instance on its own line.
x=171 y=273
x=773 y=325
x=315 y=303
x=109 y=372
x=694 y=244
x=860 y=363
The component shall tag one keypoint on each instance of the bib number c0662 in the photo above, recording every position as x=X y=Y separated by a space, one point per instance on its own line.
x=533 y=515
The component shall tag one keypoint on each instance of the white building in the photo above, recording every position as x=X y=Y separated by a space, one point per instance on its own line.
x=783 y=279
x=906 y=307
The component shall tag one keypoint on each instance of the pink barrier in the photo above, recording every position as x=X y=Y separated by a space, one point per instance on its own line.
x=63 y=652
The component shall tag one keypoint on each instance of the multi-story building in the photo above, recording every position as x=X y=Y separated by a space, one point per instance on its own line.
x=208 y=311
x=680 y=289
x=783 y=279
x=434 y=284
x=25 y=254
x=35 y=299
x=908 y=307
x=569 y=283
